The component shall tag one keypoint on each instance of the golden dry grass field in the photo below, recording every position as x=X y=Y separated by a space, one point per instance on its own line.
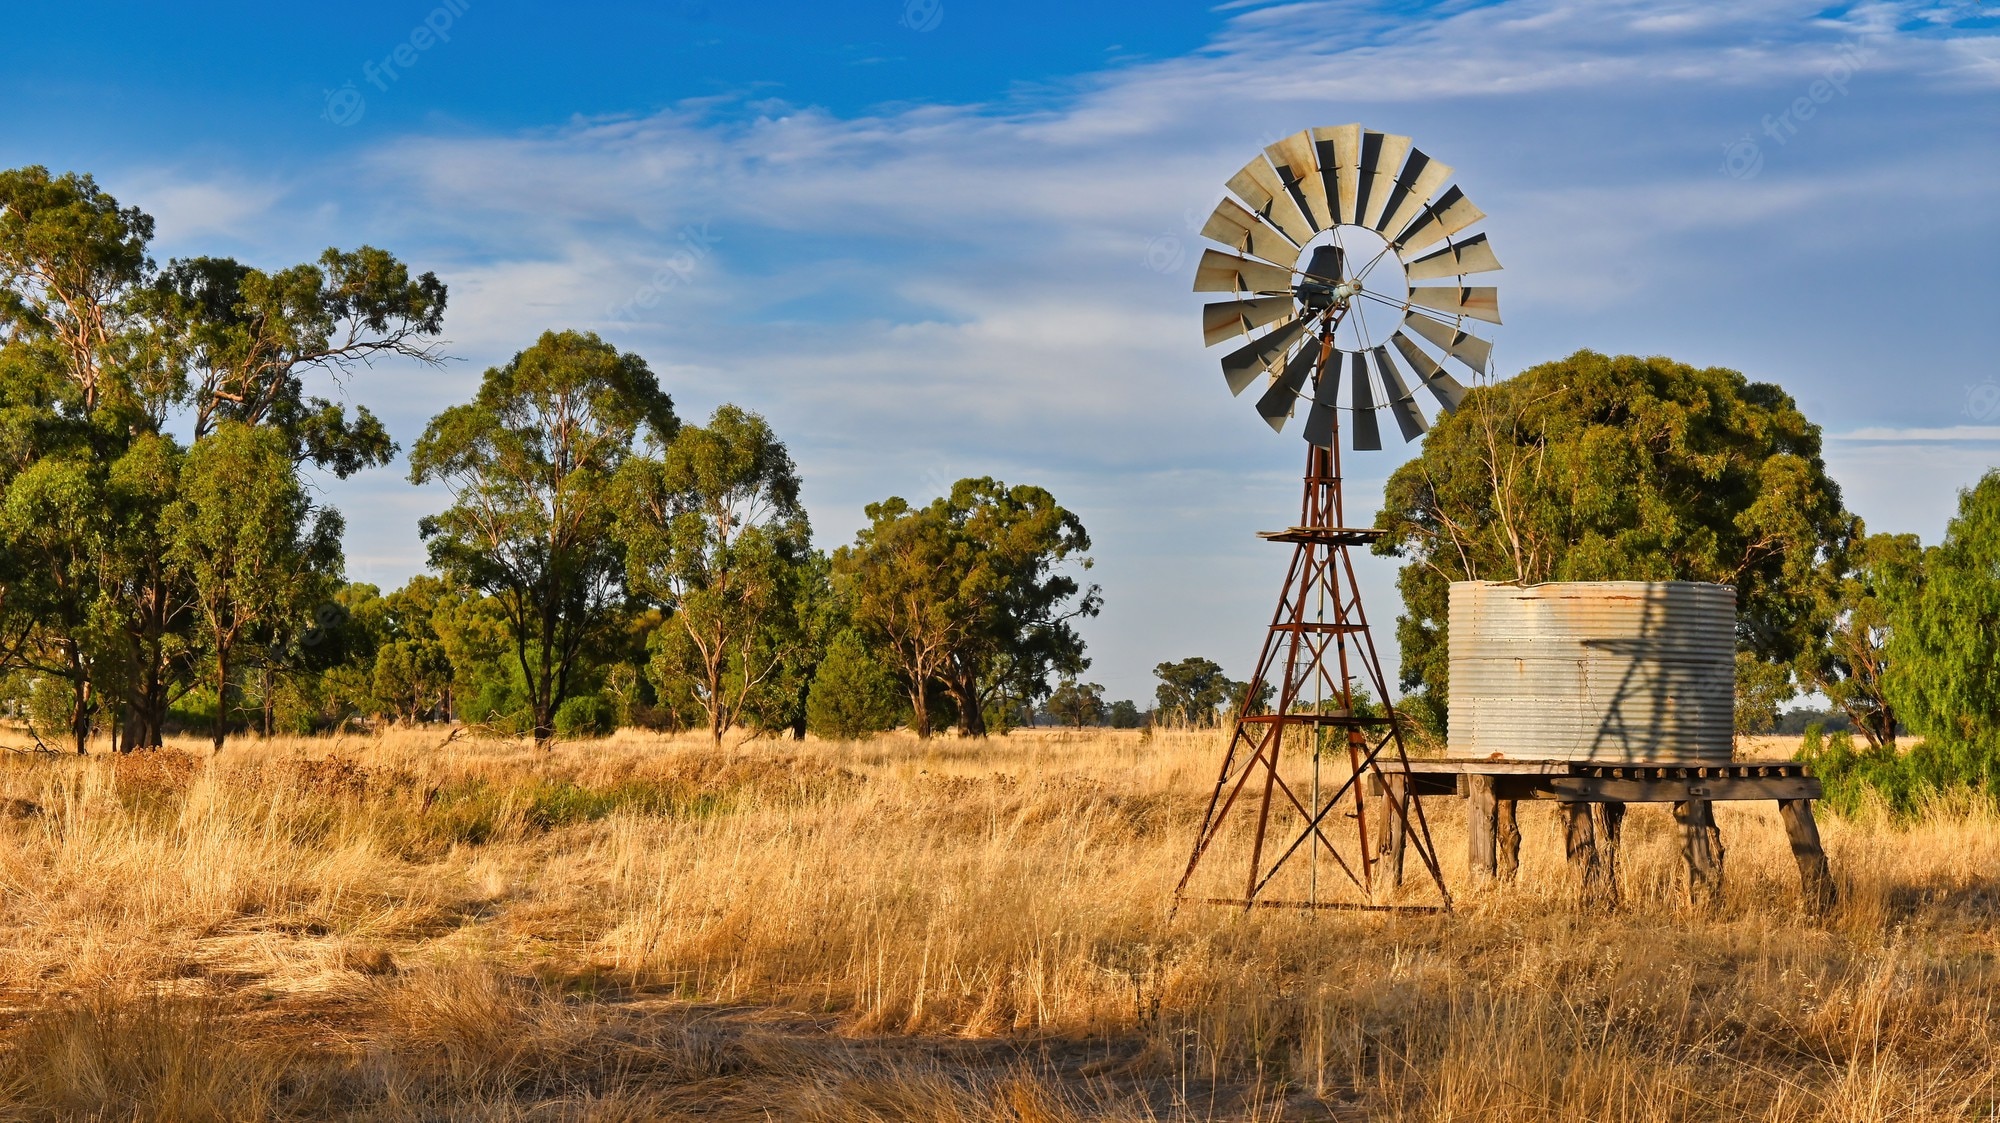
x=395 y=928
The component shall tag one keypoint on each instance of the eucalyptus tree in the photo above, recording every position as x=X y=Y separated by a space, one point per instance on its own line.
x=715 y=535
x=103 y=357
x=1019 y=590
x=899 y=579
x=71 y=259
x=971 y=594
x=1944 y=634
x=1847 y=659
x=1192 y=690
x=1600 y=468
x=530 y=464
x=253 y=548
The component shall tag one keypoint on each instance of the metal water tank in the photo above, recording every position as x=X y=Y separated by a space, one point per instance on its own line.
x=1613 y=671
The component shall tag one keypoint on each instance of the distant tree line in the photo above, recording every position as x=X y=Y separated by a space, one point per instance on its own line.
x=165 y=565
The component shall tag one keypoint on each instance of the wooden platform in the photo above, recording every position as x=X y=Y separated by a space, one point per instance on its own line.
x=1593 y=797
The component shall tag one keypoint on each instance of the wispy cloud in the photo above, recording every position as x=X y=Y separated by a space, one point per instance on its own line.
x=944 y=290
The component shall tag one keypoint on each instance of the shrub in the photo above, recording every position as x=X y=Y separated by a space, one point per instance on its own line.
x=1904 y=781
x=586 y=715
x=852 y=695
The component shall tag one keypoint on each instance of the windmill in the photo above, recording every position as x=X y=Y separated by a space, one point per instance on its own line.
x=1328 y=232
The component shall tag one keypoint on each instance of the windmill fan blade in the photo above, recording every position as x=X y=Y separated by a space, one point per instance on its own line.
x=1367 y=430
x=1421 y=178
x=1452 y=213
x=1320 y=421
x=1478 y=303
x=1471 y=350
x=1339 y=151
x=1283 y=396
x=1293 y=157
x=1473 y=255
x=1402 y=403
x=1222 y=272
x=1244 y=232
x=1225 y=318
x=1447 y=390
x=1258 y=185
x=1381 y=159
x=1242 y=366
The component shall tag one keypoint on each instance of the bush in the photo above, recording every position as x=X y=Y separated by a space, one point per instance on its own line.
x=586 y=715
x=1904 y=782
x=852 y=696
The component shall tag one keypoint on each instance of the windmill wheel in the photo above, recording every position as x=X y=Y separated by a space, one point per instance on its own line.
x=1329 y=232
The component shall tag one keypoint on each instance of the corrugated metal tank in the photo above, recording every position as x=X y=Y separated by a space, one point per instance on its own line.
x=1615 y=671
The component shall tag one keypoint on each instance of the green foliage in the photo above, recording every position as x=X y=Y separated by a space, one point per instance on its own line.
x=1125 y=714
x=530 y=465
x=1847 y=659
x=1193 y=689
x=249 y=542
x=1905 y=783
x=1598 y=468
x=585 y=716
x=1077 y=704
x=1944 y=641
x=971 y=595
x=102 y=356
x=246 y=339
x=853 y=695
x=1761 y=687
x=412 y=678
x=715 y=535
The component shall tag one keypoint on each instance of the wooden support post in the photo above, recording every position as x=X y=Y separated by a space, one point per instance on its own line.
x=1508 y=838
x=1481 y=822
x=1580 y=847
x=1607 y=821
x=1815 y=878
x=1392 y=831
x=1701 y=847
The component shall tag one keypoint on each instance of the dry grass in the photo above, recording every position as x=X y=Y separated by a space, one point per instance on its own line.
x=633 y=929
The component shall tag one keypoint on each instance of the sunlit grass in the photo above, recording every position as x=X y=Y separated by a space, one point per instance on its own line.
x=405 y=927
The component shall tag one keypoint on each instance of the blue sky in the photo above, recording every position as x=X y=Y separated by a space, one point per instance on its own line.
x=939 y=238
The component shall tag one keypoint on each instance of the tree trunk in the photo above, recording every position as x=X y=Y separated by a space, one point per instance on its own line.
x=920 y=712
x=149 y=704
x=221 y=697
x=715 y=667
x=79 y=722
x=965 y=691
x=267 y=701
x=799 y=713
